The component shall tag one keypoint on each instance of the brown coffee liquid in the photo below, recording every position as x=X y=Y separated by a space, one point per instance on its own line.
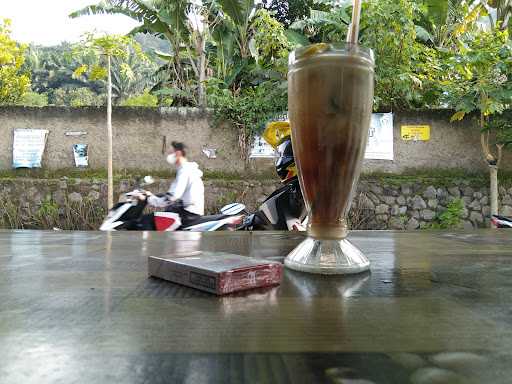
x=330 y=98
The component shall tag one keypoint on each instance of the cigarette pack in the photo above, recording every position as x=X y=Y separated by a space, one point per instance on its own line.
x=216 y=272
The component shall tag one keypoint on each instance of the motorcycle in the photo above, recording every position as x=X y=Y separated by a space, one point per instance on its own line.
x=129 y=215
x=501 y=221
x=282 y=210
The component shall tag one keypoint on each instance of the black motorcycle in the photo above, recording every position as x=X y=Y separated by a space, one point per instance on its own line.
x=282 y=210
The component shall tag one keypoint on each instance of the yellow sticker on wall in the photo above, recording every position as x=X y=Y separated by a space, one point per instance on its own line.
x=415 y=132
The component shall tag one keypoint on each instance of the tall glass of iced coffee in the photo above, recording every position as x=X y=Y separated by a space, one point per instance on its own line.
x=330 y=97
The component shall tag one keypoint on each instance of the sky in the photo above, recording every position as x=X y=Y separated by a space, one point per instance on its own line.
x=46 y=22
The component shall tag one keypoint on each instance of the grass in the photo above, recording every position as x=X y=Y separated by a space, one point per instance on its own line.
x=86 y=215
x=439 y=177
x=75 y=173
x=101 y=174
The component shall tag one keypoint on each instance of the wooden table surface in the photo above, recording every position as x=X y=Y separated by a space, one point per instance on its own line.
x=78 y=307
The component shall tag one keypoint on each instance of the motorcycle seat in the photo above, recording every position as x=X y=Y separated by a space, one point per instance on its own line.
x=204 y=219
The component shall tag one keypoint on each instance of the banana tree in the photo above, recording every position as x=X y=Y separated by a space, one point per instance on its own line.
x=222 y=48
x=230 y=26
x=240 y=12
x=105 y=49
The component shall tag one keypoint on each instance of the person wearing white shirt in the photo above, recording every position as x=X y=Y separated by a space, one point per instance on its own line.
x=187 y=187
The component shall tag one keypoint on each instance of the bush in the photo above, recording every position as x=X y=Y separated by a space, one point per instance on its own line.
x=451 y=217
x=144 y=100
x=33 y=99
x=248 y=110
x=77 y=97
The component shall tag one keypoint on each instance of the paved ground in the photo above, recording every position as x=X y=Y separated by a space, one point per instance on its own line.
x=77 y=307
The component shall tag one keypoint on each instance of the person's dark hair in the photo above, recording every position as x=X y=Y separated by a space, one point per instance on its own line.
x=177 y=146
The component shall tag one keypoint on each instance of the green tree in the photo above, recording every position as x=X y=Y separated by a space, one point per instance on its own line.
x=271 y=47
x=168 y=20
x=387 y=27
x=13 y=81
x=477 y=78
x=52 y=68
x=289 y=11
x=327 y=24
x=132 y=75
x=403 y=66
x=105 y=48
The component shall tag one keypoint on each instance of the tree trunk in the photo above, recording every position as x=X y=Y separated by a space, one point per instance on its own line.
x=110 y=176
x=202 y=73
x=177 y=65
x=493 y=162
x=493 y=170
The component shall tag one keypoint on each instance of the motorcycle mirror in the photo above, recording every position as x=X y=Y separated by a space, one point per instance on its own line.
x=232 y=209
x=148 y=180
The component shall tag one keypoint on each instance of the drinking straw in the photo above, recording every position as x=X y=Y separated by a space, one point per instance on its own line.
x=353 y=28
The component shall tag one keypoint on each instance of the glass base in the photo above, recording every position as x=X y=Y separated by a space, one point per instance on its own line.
x=326 y=256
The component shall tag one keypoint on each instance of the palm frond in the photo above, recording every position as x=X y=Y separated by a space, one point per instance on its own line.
x=136 y=9
x=105 y=9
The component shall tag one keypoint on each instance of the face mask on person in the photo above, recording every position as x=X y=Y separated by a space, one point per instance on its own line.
x=171 y=159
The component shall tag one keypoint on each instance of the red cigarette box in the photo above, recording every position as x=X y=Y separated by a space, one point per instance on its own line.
x=218 y=273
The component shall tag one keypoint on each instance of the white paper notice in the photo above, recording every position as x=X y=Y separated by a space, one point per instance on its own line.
x=260 y=148
x=28 y=147
x=380 y=137
x=80 y=152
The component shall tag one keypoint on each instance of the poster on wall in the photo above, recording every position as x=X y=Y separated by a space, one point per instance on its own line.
x=415 y=132
x=380 y=137
x=81 y=155
x=210 y=153
x=28 y=147
x=261 y=149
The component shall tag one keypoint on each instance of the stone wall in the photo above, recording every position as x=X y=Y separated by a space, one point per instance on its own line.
x=413 y=205
x=378 y=203
x=81 y=203
x=142 y=134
